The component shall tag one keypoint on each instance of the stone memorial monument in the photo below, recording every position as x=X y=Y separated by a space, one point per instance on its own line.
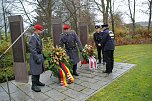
x=19 y=60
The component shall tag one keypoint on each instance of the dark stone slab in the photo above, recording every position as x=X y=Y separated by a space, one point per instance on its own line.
x=57 y=30
x=83 y=30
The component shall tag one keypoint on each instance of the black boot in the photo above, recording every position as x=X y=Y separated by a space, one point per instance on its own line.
x=38 y=81
x=74 y=70
x=35 y=88
x=40 y=84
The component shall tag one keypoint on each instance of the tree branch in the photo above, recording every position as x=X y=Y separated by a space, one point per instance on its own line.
x=25 y=11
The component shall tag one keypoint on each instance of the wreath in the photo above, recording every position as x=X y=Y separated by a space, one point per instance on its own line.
x=87 y=52
x=56 y=56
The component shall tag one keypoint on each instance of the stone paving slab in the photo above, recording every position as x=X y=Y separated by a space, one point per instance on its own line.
x=19 y=96
x=75 y=95
x=86 y=84
x=4 y=96
x=56 y=95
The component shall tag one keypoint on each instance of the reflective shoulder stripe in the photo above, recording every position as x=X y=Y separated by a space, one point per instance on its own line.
x=111 y=34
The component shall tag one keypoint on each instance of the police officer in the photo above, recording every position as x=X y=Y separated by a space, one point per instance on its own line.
x=71 y=41
x=36 y=58
x=108 y=42
x=97 y=39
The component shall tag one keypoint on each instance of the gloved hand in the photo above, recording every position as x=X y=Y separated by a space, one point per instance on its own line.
x=80 y=50
x=39 y=58
x=99 y=44
x=38 y=61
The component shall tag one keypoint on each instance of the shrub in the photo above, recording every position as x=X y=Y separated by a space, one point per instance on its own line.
x=4 y=45
x=7 y=57
x=9 y=72
x=125 y=36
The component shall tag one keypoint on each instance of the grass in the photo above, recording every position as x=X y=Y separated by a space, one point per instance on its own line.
x=135 y=85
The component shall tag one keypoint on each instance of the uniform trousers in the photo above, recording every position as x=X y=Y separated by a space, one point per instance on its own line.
x=99 y=49
x=35 y=79
x=109 y=60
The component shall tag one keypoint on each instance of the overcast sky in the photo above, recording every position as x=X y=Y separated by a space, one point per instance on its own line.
x=122 y=6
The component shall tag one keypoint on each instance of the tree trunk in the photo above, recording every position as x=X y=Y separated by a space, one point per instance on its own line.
x=134 y=27
x=49 y=18
x=0 y=36
x=107 y=8
x=150 y=13
x=105 y=11
x=132 y=17
x=4 y=16
x=111 y=13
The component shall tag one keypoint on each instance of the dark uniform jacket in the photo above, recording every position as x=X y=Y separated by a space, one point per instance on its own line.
x=108 y=40
x=71 y=42
x=36 y=55
x=97 y=38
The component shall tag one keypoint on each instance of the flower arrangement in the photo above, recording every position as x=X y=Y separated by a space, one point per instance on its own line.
x=56 y=56
x=87 y=52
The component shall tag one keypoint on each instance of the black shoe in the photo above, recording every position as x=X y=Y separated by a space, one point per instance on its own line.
x=75 y=74
x=106 y=72
x=99 y=63
x=35 y=88
x=40 y=84
x=104 y=63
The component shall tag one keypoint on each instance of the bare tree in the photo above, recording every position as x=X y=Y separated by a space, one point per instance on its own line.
x=72 y=8
x=45 y=12
x=21 y=1
x=42 y=12
x=132 y=14
x=104 y=10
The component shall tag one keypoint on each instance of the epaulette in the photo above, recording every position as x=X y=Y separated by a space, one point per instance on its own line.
x=111 y=34
x=33 y=34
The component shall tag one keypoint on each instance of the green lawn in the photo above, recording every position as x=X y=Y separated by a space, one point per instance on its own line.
x=135 y=85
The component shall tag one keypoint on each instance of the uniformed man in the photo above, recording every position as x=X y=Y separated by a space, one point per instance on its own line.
x=71 y=41
x=36 y=58
x=97 y=39
x=108 y=42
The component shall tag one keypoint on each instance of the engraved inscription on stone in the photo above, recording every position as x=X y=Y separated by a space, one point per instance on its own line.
x=83 y=28
x=57 y=30
x=17 y=47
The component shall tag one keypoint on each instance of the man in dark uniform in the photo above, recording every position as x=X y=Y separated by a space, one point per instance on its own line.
x=36 y=58
x=71 y=41
x=108 y=43
x=97 y=39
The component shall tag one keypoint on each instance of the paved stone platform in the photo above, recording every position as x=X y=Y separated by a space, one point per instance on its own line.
x=87 y=84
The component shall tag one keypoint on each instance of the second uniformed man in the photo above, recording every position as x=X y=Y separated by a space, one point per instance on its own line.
x=108 y=42
x=71 y=41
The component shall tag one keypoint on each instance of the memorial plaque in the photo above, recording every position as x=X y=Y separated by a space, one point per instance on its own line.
x=17 y=47
x=19 y=62
x=83 y=30
x=57 y=30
